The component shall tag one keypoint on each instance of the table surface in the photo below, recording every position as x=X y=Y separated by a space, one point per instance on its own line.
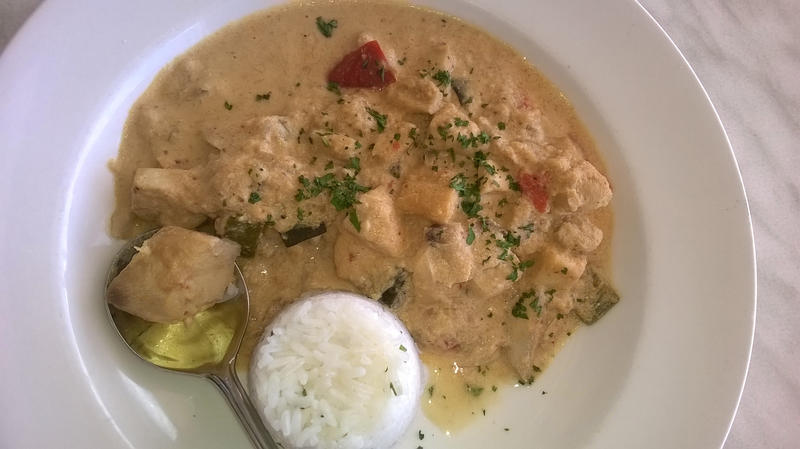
x=747 y=55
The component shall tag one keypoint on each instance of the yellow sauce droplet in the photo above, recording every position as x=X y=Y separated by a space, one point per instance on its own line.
x=202 y=340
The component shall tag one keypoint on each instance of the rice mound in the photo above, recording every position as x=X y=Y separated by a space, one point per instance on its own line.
x=336 y=370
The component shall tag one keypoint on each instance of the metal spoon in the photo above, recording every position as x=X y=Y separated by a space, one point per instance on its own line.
x=230 y=317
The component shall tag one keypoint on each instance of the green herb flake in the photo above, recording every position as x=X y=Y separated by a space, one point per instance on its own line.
x=564 y=270
x=264 y=97
x=353 y=216
x=355 y=164
x=430 y=391
x=329 y=166
x=380 y=119
x=396 y=137
x=501 y=126
x=391 y=385
x=470 y=235
x=228 y=106
x=475 y=391
x=300 y=214
x=442 y=77
x=460 y=122
x=326 y=28
x=358 y=145
x=254 y=198
x=403 y=348
x=334 y=87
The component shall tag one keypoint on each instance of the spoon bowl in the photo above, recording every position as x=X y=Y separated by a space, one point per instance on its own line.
x=207 y=345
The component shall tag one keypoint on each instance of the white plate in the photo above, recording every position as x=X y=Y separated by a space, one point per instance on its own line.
x=664 y=369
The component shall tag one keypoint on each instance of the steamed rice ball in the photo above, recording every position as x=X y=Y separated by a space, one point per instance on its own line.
x=336 y=370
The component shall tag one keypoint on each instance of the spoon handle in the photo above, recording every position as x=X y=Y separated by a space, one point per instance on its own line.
x=228 y=383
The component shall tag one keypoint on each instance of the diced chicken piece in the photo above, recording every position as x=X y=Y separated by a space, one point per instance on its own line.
x=497 y=182
x=578 y=233
x=268 y=134
x=176 y=274
x=576 y=185
x=392 y=144
x=173 y=143
x=169 y=196
x=379 y=221
x=416 y=94
x=530 y=225
x=558 y=268
x=441 y=58
x=490 y=275
x=446 y=259
x=369 y=270
x=353 y=116
x=443 y=131
x=338 y=146
x=524 y=336
x=186 y=80
x=428 y=196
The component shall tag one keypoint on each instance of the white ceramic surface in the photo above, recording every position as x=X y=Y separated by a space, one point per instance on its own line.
x=664 y=369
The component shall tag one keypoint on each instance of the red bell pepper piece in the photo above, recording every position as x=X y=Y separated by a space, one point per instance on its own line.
x=364 y=67
x=535 y=188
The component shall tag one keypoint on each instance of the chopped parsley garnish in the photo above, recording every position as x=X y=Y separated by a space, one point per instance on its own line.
x=396 y=137
x=355 y=164
x=475 y=391
x=228 y=106
x=519 y=310
x=403 y=348
x=353 y=217
x=264 y=97
x=564 y=270
x=512 y=184
x=358 y=145
x=470 y=235
x=329 y=166
x=479 y=160
x=334 y=87
x=501 y=126
x=469 y=193
x=343 y=193
x=254 y=198
x=443 y=131
x=459 y=122
x=300 y=214
x=401 y=61
x=442 y=77
x=515 y=269
x=391 y=385
x=380 y=119
x=527 y=228
x=326 y=28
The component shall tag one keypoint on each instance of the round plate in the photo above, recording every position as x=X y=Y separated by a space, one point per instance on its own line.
x=663 y=369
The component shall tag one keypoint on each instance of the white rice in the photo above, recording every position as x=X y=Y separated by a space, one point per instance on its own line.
x=336 y=370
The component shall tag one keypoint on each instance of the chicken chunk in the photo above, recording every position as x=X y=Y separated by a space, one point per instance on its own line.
x=416 y=94
x=176 y=274
x=446 y=259
x=579 y=234
x=379 y=222
x=428 y=196
x=559 y=268
x=168 y=196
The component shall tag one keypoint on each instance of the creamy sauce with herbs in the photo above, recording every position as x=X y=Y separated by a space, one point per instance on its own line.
x=453 y=158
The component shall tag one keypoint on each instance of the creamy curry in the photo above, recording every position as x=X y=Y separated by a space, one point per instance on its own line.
x=387 y=150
